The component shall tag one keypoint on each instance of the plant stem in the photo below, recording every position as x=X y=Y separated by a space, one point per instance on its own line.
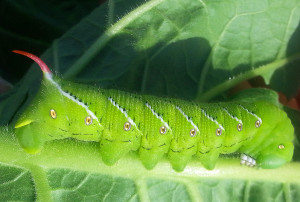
x=247 y=75
x=95 y=48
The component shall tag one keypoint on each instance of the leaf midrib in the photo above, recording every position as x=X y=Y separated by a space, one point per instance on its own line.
x=91 y=52
x=69 y=154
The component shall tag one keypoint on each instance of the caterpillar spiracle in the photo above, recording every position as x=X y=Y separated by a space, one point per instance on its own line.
x=154 y=127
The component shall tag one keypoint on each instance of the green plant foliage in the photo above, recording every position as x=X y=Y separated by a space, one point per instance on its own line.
x=189 y=49
x=69 y=170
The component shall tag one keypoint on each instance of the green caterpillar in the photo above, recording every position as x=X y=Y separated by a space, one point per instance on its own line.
x=155 y=127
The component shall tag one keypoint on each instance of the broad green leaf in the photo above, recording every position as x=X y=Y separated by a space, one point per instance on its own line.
x=208 y=44
x=180 y=48
x=69 y=170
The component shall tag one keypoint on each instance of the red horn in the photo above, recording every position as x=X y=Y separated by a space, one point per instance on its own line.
x=40 y=62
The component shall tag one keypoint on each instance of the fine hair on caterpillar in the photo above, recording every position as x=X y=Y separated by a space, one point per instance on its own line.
x=155 y=127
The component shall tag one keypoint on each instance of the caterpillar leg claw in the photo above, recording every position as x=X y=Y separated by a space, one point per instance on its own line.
x=247 y=160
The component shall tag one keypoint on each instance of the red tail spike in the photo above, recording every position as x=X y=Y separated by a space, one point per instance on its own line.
x=40 y=62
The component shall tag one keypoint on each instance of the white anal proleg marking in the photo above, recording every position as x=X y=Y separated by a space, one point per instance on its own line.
x=187 y=118
x=232 y=116
x=258 y=118
x=157 y=116
x=247 y=160
x=212 y=119
x=49 y=78
x=123 y=111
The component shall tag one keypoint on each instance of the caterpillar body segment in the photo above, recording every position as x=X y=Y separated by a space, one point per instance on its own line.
x=50 y=119
x=156 y=127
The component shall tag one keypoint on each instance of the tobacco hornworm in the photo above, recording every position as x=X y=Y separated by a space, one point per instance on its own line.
x=155 y=127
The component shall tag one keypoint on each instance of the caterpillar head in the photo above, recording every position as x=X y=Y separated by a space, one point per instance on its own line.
x=54 y=114
x=276 y=155
x=278 y=147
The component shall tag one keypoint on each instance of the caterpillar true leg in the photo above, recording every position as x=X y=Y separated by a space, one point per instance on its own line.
x=247 y=160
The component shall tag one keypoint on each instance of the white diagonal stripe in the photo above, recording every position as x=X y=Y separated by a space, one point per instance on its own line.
x=212 y=119
x=157 y=116
x=49 y=78
x=251 y=113
x=123 y=112
x=187 y=118
x=232 y=116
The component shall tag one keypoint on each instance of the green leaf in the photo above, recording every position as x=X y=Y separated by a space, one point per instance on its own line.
x=190 y=49
x=69 y=170
x=214 y=43
x=15 y=184
x=180 y=48
x=244 y=36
